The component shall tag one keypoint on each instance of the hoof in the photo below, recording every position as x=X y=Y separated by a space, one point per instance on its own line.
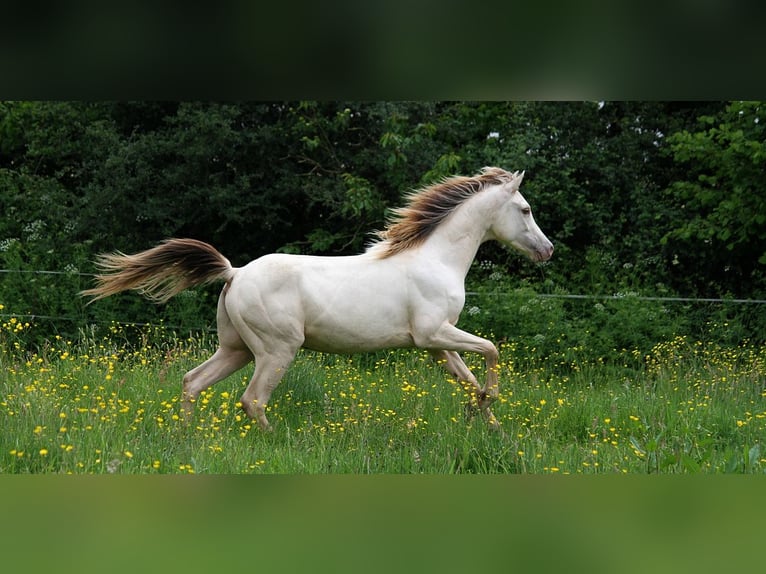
x=265 y=426
x=469 y=410
x=494 y=424
x=485 y=400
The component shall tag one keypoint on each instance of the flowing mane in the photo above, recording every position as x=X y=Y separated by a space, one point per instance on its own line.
x=427 y=207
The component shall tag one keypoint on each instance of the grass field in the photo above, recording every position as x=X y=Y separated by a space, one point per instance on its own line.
x=110 y=404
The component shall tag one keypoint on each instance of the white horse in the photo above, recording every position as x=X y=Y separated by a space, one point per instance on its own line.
x=406 y=290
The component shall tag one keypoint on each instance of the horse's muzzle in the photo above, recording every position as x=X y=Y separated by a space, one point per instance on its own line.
x=544 y=253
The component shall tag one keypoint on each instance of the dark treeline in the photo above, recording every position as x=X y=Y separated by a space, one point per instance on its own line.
x=656 y=198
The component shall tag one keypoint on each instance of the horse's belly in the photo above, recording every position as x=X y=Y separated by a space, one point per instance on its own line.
x=348 y=323
x=355 y=337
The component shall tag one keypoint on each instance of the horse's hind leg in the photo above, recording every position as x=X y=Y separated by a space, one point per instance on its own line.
x=273 y=339
x=232 y=355
x=223 y=363
x=269 y=370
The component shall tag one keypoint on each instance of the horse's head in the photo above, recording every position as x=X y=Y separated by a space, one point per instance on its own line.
x=513 y=224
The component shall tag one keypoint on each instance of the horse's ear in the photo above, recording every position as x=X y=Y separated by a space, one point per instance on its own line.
x=516 y=181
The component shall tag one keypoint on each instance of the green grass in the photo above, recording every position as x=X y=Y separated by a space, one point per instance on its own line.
x=111 y=405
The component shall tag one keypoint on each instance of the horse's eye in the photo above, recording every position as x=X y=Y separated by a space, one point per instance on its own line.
x=526 y=210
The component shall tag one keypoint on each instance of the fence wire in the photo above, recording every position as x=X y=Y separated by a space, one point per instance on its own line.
x=598 y=297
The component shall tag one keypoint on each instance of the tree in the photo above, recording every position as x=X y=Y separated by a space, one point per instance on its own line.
x=317 y=177
x=719 y=239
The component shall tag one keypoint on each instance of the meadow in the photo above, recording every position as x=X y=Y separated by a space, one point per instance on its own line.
x=109 y=403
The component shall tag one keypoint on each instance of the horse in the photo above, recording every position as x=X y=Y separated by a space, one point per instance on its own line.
x=407 y=289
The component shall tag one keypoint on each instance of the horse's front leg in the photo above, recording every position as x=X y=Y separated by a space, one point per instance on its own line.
x=489 y=394
x=479 y=400
x=452 y=340
x=454 y=365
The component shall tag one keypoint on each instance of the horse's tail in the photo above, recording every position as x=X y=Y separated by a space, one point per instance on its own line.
x=161 y=272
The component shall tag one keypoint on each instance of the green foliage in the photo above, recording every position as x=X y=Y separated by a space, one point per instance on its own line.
x=318 y=177
x=722 y=210
x=606 y=329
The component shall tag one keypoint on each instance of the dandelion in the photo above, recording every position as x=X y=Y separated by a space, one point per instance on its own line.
x=43 y=452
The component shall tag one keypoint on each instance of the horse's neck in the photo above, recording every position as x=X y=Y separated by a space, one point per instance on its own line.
x=457 y=239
